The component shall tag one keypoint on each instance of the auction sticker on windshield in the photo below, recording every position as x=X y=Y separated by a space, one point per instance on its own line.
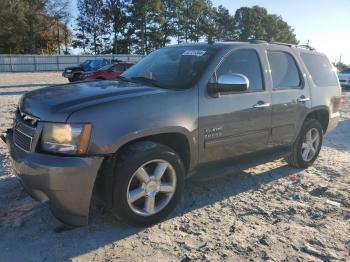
x=194 y=52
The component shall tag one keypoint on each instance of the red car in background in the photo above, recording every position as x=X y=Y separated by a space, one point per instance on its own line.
x=108 y=72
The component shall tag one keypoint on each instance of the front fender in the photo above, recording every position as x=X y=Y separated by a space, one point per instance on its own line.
x=143 y=134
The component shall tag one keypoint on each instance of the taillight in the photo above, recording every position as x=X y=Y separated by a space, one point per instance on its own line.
x=340 y=100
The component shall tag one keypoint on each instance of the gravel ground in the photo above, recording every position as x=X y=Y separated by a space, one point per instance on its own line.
x=270 y=212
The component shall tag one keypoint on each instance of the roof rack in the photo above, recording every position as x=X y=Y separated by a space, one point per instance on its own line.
x=257 y=41
x=281 y=43
x=306 y=47
x=260 y=41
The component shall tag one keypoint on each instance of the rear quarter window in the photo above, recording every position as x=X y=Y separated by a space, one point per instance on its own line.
x=320 y=69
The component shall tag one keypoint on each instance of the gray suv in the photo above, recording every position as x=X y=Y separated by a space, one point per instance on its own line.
x=182 y=110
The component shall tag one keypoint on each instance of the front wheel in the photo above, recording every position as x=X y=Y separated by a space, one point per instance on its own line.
x=76 y=77
x=307 y=146
x=148 y=185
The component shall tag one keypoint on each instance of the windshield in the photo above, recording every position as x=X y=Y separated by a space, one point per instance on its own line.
x=86 y=65
x=175 y=67
x=90 y=65
x=346 y=71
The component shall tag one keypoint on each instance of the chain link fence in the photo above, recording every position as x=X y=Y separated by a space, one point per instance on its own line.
x=38 y=63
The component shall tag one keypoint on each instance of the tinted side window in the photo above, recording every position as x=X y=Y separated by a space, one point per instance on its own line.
x=320 y=69
x=245 y=62
x=285 y=73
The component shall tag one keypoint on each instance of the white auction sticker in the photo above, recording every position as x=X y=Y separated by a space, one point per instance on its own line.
x=194 y=52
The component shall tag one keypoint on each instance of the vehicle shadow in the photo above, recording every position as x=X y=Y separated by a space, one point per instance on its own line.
x=339 y=138
x=43 y=237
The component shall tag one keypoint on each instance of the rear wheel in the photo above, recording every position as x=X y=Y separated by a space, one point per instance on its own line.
x=307 y=146
x=148 y=185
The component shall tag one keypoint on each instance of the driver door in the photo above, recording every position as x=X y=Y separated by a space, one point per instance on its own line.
x=236 y=123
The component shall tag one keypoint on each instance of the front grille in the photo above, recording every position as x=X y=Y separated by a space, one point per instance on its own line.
x=22 y=140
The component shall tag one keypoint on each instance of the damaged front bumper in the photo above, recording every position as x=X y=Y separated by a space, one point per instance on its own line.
x=67 y=182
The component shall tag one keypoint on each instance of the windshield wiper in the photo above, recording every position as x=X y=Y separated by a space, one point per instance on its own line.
x=146 y=80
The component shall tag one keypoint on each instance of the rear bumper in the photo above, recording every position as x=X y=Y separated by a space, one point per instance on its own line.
x=333 y=121
x=67 y=182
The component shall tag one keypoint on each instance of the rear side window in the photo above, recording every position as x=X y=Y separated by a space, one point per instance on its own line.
x=284 y=70
x=320 y=69
x=245 y=62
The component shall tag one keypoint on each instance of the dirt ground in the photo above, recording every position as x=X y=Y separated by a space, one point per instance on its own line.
x=268 y=213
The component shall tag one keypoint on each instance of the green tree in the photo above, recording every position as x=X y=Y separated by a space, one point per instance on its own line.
x=192 y=14
x=146 y=22
x=27 y=27
x=59 y=11
x=256 y=23
x=339 y=65
x=217 y=26
x=92 y=26
x=117 y=15
x=168 y=20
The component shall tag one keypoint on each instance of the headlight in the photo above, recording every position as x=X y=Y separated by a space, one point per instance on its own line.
x=68 y=71
x=66 y=138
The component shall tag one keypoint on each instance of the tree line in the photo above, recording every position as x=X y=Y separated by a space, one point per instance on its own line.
x=129 y=26
x=140 y=26
x=34 y=26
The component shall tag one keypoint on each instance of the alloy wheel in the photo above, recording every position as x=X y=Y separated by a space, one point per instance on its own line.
x=310 y=144
x=151 y=187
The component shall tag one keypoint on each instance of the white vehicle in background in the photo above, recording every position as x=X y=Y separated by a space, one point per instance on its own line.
x=344 y=77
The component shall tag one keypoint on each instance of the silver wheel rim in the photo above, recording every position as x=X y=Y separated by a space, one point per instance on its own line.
x=310 y=144
x=151 y=187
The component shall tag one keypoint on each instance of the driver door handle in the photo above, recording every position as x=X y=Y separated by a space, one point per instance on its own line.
x=303 y=99
x=261 y=104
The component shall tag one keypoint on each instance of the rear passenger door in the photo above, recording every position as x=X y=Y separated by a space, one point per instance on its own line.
x=290 y=95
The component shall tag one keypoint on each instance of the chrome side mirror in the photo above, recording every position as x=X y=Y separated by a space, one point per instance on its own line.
x=229 y=83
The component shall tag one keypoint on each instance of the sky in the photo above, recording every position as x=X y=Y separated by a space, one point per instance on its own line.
x=324 y=23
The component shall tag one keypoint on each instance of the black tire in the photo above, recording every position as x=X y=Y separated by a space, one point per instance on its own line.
x=71 y=79
x=129 y=160
x=76 y=77
x=295 y=159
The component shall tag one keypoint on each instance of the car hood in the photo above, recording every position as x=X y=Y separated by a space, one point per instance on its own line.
x=73 y=68
x=56 y=103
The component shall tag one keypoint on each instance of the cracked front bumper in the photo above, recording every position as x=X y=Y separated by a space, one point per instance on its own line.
x=67 y=182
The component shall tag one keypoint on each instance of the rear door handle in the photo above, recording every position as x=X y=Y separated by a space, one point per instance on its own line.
x=261 y=104
x=303 y=99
